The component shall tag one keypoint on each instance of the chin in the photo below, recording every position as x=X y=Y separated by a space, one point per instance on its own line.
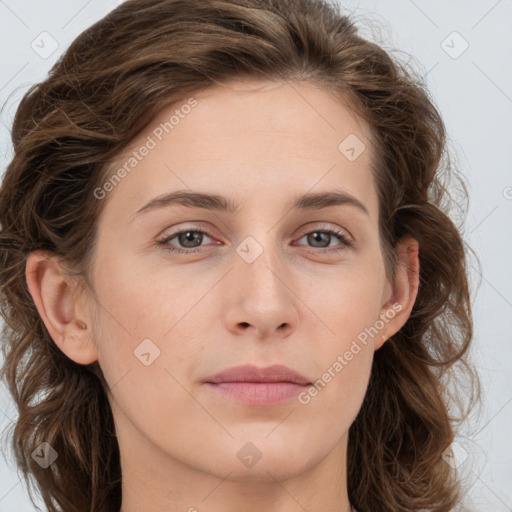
x=262 y=459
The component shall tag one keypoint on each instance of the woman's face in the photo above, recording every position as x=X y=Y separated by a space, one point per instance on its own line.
x=265 y=284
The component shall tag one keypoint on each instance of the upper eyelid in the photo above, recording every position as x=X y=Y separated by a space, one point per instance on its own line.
x=321 y=226
x=185 y=229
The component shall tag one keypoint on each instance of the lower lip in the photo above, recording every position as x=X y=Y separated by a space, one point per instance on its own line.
x=258 y=393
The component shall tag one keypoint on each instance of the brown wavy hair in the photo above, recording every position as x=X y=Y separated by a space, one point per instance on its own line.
x=106 y=87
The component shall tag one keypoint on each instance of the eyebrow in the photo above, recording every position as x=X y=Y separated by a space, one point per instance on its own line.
x=216 y=202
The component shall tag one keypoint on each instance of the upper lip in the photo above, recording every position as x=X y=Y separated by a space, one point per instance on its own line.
x=251 y=373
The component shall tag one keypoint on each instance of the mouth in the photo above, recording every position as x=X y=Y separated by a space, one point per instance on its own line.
x=258 y=386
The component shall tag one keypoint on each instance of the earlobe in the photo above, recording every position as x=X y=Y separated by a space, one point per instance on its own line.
x=53 y=294
x=404 y=289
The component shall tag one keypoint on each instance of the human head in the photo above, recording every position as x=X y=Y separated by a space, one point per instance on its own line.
x=71 y=151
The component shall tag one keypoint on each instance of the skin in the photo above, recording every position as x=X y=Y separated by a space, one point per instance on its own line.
x=296 y=304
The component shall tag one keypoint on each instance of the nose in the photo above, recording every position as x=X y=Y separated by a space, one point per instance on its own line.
x=261 y=300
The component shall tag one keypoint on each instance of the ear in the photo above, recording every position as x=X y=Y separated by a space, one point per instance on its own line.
x=65 y=318
x=402 y=292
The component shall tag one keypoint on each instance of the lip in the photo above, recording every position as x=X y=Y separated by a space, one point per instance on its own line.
x=251 y=373
x=258 y=386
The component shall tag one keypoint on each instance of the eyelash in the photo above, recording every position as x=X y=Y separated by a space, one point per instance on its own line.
x=345 y=241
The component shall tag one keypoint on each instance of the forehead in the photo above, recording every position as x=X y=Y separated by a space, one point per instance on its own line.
x=250 y=139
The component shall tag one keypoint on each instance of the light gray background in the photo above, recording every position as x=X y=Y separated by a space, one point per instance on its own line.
x=473 y=90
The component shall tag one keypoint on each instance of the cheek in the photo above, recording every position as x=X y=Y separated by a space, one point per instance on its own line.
x=147 y=323
x=343 y=370
x=351 y=304
x=137 y=303
x=146 y=346
x=344 y=354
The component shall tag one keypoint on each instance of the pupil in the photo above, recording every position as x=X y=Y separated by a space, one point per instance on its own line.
x=190 y=236
x=317 y=237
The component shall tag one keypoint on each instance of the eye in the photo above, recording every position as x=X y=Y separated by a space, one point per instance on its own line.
x=321 y=238
x=188 y=238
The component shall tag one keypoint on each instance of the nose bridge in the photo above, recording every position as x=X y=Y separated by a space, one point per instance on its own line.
x=258 y=263
x=260 y=294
